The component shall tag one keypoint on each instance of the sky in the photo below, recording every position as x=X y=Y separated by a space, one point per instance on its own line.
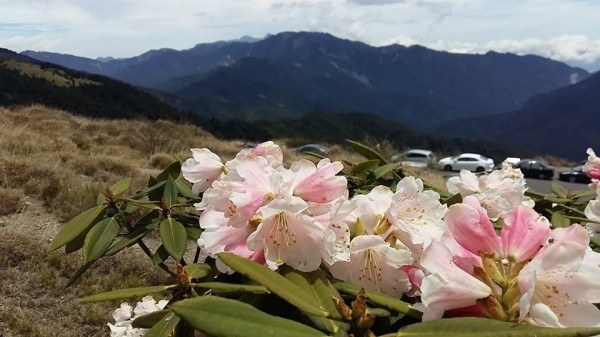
x=564 y=30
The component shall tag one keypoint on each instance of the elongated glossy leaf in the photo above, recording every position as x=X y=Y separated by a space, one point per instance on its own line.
x=368 y=165
x=129 y=240
x=559 y=220
x=120 y=186
x=165 y=327
x=559 y=190
x=172 y=170
x=126 y=293
x=174 y=237
x=78 y=274
x=383 y=170
x=76 y=244
x=76 y=226
x=455 y=199
x=378 y=298
x=193 y=233
x=160 y=255
x=228 y=288
x=366 y=151
x=170 y=192
x=482 y=327
x=183 y=188
x=155 y=189
x=197 y=270
x=100 y=199
x=276 y=283
x=318 y=286
x=99 y=238
x=149 y=320
x=222 y=317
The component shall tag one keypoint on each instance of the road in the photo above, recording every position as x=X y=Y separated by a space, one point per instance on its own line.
x=537 y=185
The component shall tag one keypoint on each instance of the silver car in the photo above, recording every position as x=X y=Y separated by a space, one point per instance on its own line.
x=468 y=161
x=415 y=158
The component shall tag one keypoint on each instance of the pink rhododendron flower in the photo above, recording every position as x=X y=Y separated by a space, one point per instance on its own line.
x=317 y=183
x=523 y=233
x=270 y=151
x=375 y=265
x=471 y=227
x=592 y=167
x=592 y=212
x=202 y=169
x=560 y=283
x=447 y=286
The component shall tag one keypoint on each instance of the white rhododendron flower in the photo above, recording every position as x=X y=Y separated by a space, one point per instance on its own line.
x=125 y=315
x=497 y=192
x=375 y=265
x=202 y=169
x=592 y=167
x=369 y=217
x=416 y=215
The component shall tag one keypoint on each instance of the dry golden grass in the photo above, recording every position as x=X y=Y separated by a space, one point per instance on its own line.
x=11 y=200
x=54 y=76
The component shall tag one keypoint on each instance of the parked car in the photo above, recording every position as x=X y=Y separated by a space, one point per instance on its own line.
x=511 y=160
x=314 y=148
x=532 y=168
x=415 y=158
x=467 y=161
x=574 y=175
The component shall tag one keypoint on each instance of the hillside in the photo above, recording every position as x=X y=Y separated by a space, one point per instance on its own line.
x=288 y=74
x=563 y=122
x=24 y=80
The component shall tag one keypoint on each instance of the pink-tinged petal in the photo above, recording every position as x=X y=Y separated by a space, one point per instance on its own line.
x=415 y=277
x=323 y=185
x=202 y=169
x=375 y=265
x=371 y=209
x=463 y=258
x=469 y=224
x=465 y=184
x=523 y=234
x=291 y=238
x=447 y=286
x=271 y=151
x=592 y=166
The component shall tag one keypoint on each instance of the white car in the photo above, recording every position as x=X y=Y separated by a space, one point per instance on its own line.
x=415 y=158
x=468 y=161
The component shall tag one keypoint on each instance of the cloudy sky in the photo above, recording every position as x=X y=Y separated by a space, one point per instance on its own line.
x=566 y=30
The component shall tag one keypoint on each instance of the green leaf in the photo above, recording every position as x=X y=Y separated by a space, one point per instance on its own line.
x=318 y=286
x=76 y=243
x=160 y=255
x=173 y=237
x=183 y=188
x=559 y=190
x=154 y=192
x=100 y=199
x=366 y=151
x=76 y=226
x=99 y=238
x=276 y=283
x=149 y=320
x=78 y=274
x=120 y=294
x=222 y=317
x=455 y=199
x=230 y=288
x=559 y=220
x=165 y=327
x=170 y=192
x=368 y=165
x=120 y=186
x=193 y=233
x=197 y=270
x=483 y=327
x=172 y=171
x=129 y=239
x=378 y=298
x=383 y=170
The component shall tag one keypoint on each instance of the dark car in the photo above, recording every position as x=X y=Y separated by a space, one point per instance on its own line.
x=314 y=148
x=532 y=168
x=574 y=175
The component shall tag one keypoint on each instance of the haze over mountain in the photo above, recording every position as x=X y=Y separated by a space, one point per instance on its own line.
x=288 y=74
x=563 y=122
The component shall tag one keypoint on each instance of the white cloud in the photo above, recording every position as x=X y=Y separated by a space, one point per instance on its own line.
x=565 y=30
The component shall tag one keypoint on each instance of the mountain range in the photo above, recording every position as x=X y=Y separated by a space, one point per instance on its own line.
x=288 y=74
x=563 y=122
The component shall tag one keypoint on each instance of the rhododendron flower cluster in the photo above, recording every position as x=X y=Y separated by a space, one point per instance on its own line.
x=125 y=314
x=491 y=255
